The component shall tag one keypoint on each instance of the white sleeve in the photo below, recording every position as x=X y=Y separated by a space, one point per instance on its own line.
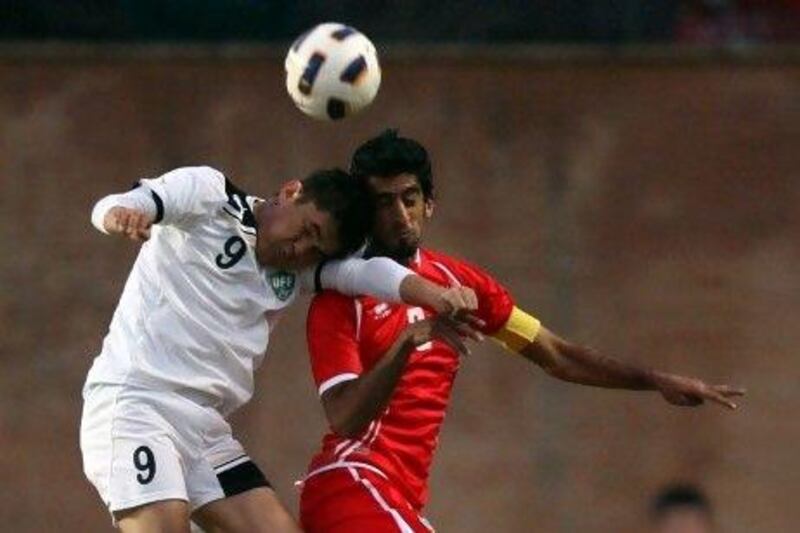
x=138 y=198
x=379 y=277
x=186 y=192
x=171 y=198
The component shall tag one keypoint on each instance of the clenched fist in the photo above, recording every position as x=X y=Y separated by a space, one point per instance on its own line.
x=130 y=223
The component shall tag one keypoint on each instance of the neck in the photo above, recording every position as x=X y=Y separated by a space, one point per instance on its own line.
x=404 y=257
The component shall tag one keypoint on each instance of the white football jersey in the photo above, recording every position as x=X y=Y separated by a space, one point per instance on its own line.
x=197 y=309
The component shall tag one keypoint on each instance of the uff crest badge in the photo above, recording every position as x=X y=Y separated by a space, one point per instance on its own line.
x=282 y=284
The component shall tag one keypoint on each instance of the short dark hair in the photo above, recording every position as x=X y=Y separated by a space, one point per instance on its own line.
x=388 y=155
x=345 y=198
x=679 y=495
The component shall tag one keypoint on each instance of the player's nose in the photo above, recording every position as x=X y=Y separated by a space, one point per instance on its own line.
x=401 y=213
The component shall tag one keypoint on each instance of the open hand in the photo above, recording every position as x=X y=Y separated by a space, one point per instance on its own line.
x=685 y=391
x=439 y=327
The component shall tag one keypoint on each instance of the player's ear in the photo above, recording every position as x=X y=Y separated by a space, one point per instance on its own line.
x=290 y=191
x=429 y=206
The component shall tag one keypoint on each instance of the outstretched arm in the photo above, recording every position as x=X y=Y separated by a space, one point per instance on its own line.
x=578 y=364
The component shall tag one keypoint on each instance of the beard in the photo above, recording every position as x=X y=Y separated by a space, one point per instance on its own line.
x=401 y=250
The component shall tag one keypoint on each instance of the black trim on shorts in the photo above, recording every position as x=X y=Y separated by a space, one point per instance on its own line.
x=242 y=478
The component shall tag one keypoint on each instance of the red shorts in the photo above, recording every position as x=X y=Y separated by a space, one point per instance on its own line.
x=356 y=500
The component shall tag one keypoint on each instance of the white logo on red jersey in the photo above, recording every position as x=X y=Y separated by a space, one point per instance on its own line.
x=381 y=311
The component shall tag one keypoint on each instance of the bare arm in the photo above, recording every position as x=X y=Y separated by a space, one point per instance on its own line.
x=352 y=405
x=578 y=364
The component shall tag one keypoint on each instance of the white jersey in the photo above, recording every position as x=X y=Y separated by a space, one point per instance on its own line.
x=197 y=309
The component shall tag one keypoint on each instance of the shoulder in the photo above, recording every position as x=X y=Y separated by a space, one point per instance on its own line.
x=426 y=254
x=332 y=299
x=465 y=271
x=441 y=261
x=186 y=183
x=329 y=304
x=199 y=172
x=209 y=176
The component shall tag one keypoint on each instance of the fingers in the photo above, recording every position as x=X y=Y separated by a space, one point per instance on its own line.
x=712 y=394
x=438 y=328
x=468 y=318
x=465 y=325
x=457 y=299
x=131 y=223
x=467 y=331
x=721 y=395
x=681 y=390
x=446 y=332
x=728 y=391
x=721 y=400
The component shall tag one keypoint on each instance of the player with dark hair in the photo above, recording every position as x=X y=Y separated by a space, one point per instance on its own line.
x=192 y=325
x=384 y=371
x=681 y=508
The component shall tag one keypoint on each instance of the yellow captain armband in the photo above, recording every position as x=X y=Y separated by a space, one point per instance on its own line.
x=519 y=330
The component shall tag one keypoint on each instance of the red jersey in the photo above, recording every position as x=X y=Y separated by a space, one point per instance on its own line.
x=347 y=336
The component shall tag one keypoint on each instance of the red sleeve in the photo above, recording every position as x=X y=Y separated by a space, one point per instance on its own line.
x=332 y=340
x=494 y=301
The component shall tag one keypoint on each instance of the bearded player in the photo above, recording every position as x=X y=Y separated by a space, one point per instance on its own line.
x=384 y=371
x=192 y=324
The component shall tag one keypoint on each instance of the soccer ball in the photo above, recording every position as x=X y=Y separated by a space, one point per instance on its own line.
x=332 y=71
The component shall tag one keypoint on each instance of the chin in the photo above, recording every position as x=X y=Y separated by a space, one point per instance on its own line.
x=403 y=251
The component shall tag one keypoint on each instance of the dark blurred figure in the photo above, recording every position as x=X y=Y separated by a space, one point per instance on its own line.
x=737 y=22
x=681 y=508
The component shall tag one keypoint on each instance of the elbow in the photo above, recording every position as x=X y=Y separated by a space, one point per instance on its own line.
x=342 y=411
x=343 y=420
x=347 y=427
x=99 y=212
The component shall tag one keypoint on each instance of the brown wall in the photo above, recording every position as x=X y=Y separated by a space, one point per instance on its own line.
x=647 y=210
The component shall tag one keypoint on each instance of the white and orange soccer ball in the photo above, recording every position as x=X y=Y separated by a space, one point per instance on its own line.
x=332 y=71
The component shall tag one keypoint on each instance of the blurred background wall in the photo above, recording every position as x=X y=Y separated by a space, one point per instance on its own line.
x=643 y=202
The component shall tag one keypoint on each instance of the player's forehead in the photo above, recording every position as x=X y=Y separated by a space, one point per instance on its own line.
x=393 y=185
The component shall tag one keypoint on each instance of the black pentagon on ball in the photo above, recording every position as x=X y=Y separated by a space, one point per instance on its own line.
x=336 y=108
x=306 y=81
x=355 y=69
x=343 y=33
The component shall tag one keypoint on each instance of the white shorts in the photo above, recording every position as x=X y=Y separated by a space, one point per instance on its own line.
x=141 y=446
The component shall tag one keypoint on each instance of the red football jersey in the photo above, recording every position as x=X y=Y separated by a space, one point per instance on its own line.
x=347 y=336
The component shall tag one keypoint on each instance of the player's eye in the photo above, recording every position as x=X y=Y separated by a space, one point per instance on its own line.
x=411 y=198
x=385 y=200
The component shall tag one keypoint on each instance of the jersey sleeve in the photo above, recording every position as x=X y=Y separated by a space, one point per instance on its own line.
x=379 y=277
x=494 y=301
x=331 y=333
x=185 y=193
x=138 y=199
